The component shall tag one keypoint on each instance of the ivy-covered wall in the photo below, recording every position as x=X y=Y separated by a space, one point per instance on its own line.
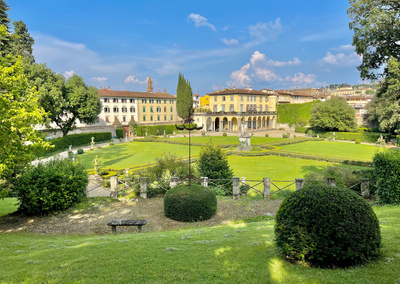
x=298 y=114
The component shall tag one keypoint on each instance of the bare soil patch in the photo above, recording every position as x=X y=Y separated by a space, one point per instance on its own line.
x=93 y=219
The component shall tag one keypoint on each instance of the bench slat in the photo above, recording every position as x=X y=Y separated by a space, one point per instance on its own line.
x=127 y=223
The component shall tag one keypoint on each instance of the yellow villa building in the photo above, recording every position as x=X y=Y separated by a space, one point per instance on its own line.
x=230 y=108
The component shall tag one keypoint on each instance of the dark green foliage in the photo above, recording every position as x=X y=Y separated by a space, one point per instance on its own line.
x=5 y=40
x=184 y=98
x=333 y=115
x=212 y=163
x=22 y=42
x=266 y=135
x=328 y=227
x=299 y=114
x=51 y=187
x=77 y=140
x=155 y=130
x=387 y=168
x=369 y=137
x=224 y=134
x=397 y=140
x=358 y=141
x=301 y=129
x=80 y=151
x=120 y=133
x=190 y=204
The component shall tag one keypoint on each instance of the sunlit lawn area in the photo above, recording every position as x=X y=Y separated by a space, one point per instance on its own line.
x=331 y=148
x=131 y=154
x=241 y=253
x=224 y=140
x=7 y=206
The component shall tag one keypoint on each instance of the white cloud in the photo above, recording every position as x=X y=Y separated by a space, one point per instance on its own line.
x=347 y=47
x=200 y=21
x=302 y=79
x=239 y=77
x=340 y=60
x=330 y=34
x=168 y=68
x=230 y=41
x=69 y=74
x=294 y=62
x=262 y=32
x=225 y=28
x=133 y=79
x=101 y=80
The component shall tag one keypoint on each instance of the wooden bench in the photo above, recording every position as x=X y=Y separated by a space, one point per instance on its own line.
x=115 y=223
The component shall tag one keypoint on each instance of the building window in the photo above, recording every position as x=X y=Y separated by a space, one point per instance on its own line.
x=115 y=109
x=124 y=118
x=165 y=117
x=158 y=109
x=165 y=109
x=106 y=100
x=241 y=108
x=159 y=101
x=144 y=101
x=107 y=119
x=158 y=117
x=241 y=98
x=132 y=101
x=231 y=98
x=124 y=109
x=248 y=98
x=171 y=109
x=151 y=109
x=144 y=118
x=123 y=101
x=132 y=109
x=215 y=98
x=214 y=108
x=172 y=118
x=231 y=108
x=107 y=109
x=171 y=101
x=266 y=108
x=223 y=98
x=151 y=118
x=151 y=101
x=115 y=100
x=223 y=107
x=165 y=101
x=144 y=109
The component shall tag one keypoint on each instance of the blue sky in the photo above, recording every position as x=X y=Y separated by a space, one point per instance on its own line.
x=215 y=44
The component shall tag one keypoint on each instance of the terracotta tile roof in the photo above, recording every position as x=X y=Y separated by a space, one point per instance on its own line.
x=282 y=92
x=129 y=94
x=238 y=91
x=302 y=94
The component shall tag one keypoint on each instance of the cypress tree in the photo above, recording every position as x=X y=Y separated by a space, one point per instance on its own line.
x=184 y=98
x=22 y=41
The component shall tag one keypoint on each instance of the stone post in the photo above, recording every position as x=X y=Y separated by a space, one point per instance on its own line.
x=267 y=187
x=365 y=187
x=331 y=182
x=236 y=188
x=174 y=182
x=204 y=181
x=299 y=183
x=114 y=186
x=143 y=187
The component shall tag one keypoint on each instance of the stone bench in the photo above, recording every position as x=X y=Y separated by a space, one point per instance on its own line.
x=115 y=223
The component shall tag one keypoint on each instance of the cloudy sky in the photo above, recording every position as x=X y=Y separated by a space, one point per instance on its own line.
x=215 y=44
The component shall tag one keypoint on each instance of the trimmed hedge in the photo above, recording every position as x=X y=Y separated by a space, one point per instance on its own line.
x=190 y=204
x=301 y=129
x=51 y=187
x=328 y=227
x=120 y=133
x=387 y=173
x=369 y=137
x=63 y=143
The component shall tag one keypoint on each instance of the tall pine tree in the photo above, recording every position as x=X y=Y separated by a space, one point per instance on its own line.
x=5 y=41
x=184 y=98
x=22 y=41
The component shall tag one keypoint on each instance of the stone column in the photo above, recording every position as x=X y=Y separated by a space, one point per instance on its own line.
x=204 y=181
x=299 y=183
x=267 y=187
x=236 y=188
x=114 y=186
x=365 y=187
x=174 y=182
x=143 y=187
x=331 y=182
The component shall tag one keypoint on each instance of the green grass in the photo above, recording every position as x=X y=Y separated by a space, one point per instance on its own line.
x=331 y=148
x=125 y=155
x=227 y=140
x=231 y=253
x=8 y=205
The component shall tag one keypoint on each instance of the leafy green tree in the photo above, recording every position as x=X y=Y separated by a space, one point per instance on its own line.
x=22 y=41
x=19 y=112
x=376 y=26
x=213 y=163
x=384 y=109
x=333 y=115
x=184 y=98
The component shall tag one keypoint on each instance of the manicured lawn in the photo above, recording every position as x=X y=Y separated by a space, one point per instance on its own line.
x=232 y=253
x=221 y=140
x=125 y=155
x=8 y=205
x=331 y=148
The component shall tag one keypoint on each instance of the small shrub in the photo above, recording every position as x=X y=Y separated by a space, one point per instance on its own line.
x=358 y=141
x=80 y=151
x=190 y=204
x=224 y=134
x=219 y=191
x=203 y=133
x=285 y=136
x=51 y=187
x=266 y=135
x=327 y=226
x=111 y=144
x=70 y=154
x=120 y=133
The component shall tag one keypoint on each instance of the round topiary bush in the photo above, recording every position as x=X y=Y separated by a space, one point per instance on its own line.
x=224 y=134
x=358 y=141
x=80 y=151
x=51 y=187
x=327 y=226
x=190 y=204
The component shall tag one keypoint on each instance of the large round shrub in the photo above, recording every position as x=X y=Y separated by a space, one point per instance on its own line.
x=327 y=226
x=51 y=187
x=190 y=204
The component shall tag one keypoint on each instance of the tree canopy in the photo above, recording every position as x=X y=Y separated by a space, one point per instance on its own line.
x=384 y=109
x=376 y=26
x=333 y=115
x=184 y=98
